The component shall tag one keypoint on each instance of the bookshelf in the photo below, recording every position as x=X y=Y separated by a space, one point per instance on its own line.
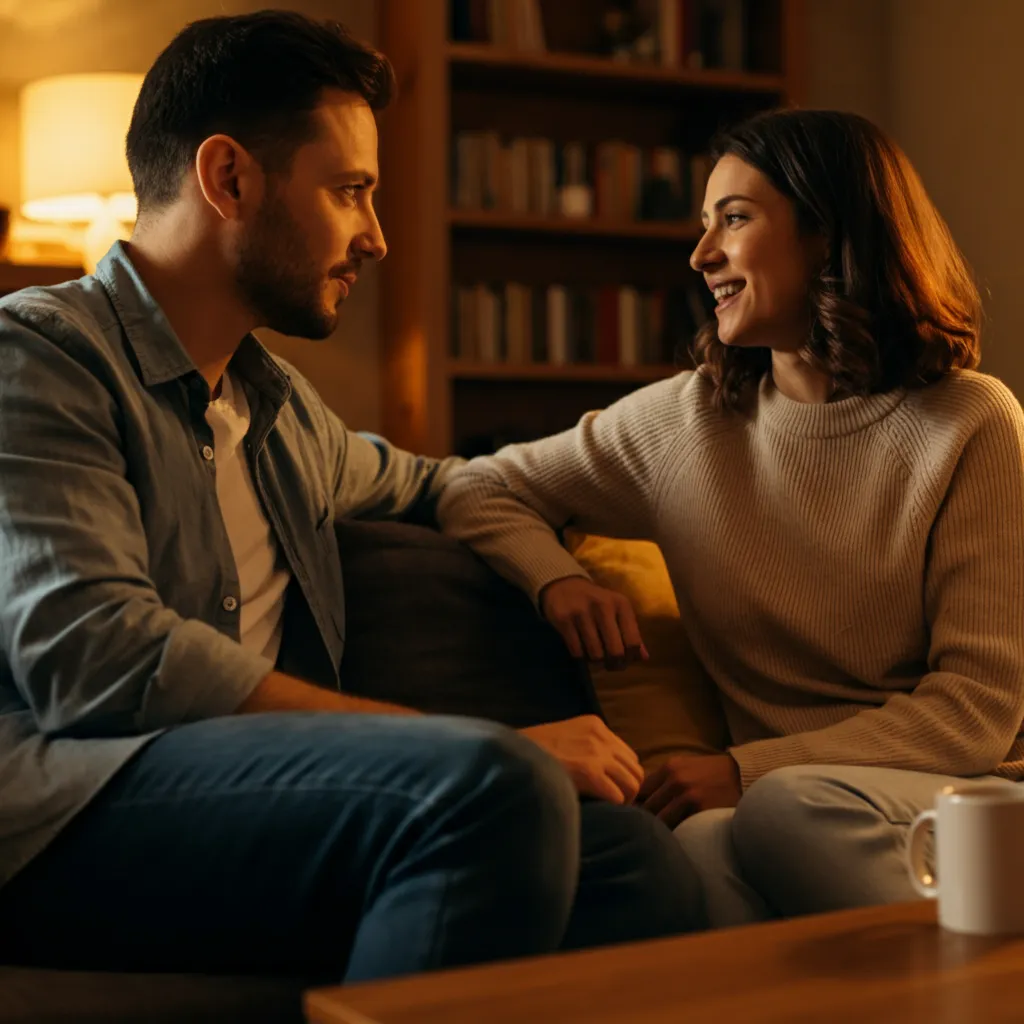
x=437 y=395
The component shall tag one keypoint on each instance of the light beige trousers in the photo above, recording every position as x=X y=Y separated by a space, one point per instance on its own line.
x=806 y=840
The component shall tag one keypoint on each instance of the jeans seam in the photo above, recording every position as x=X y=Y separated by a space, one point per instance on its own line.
x=264 y=790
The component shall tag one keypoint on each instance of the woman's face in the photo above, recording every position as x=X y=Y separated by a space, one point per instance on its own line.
x=755 y=259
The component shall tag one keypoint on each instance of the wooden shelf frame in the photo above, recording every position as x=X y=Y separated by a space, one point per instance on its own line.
x=582 y=66
x=427 y=239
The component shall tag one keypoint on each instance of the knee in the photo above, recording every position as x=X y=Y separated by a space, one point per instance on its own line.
x=778 y=810
x=704 y=837
x=659 y=867
x=635 y=880
x=516 y=780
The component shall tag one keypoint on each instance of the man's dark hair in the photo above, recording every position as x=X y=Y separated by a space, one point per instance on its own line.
x=258 y=78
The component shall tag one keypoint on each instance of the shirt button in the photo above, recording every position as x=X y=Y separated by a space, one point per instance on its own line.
x=207 y=453
x=229 y=604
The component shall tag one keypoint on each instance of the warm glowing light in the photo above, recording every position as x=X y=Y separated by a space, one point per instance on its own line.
x=73 y=166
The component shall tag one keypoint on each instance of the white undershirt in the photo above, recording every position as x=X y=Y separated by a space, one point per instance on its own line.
x=262 y=576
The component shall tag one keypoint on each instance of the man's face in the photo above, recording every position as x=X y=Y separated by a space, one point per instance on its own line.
x=316 y=224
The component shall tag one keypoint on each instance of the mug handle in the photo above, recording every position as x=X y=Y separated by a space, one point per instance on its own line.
x=923 y=880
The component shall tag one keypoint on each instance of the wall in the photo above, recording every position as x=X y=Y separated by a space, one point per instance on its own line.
x=848 y=57
x=45 y=37
x=957 y=80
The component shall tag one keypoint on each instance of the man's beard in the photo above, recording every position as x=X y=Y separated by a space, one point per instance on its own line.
x=276 y=278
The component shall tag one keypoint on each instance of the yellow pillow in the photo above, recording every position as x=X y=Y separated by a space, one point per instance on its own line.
x=667 y=705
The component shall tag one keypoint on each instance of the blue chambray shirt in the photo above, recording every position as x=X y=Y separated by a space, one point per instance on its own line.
x=119 y=609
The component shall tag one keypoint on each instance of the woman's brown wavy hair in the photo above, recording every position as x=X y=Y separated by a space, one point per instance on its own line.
x=895 y=303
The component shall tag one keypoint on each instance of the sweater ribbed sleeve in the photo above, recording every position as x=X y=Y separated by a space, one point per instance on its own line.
x=601 y=476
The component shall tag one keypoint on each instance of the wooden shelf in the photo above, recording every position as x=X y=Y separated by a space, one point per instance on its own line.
x=491 y=220
x=485 y=57
x=465 y=370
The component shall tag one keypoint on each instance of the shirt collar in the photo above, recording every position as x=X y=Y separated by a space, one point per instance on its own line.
x=160 y=354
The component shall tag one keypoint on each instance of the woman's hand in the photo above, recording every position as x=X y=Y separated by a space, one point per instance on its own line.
x=598 y=762
x=686 y=784
x=596 y=623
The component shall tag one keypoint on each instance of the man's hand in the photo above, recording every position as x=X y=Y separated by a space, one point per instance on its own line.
x=596 y=623
x=686 y=784
x=597 y=761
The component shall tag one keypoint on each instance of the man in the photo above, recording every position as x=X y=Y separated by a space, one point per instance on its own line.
x=170 y=798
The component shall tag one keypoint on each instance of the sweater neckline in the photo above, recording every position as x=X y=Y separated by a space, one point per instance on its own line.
x=823 y=419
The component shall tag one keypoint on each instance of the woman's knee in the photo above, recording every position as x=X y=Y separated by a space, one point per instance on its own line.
x=811 y=838
x=706 y=839
x=779 y=810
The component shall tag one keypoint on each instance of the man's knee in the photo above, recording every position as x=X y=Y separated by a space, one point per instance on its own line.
x=505 y=766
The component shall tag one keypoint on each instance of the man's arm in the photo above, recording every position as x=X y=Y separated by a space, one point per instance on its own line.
x=280 y=692
x=373 y=479
x=599 y=763
x=93 y=650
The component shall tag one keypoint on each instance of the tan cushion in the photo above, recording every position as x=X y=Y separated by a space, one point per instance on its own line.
x=667 y=705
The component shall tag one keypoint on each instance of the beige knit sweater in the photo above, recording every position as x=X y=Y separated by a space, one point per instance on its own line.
x=851 y=574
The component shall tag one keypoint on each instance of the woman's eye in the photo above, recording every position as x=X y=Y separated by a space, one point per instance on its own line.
x=732 y=219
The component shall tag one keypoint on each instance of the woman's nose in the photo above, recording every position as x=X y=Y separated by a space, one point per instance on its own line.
x=706 y=253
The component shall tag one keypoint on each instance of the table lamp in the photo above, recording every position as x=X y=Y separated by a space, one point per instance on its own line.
x=73 y=165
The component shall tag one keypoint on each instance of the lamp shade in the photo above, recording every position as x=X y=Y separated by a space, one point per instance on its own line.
x=73 y=165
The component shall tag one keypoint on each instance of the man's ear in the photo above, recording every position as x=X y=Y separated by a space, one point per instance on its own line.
x=229 y=178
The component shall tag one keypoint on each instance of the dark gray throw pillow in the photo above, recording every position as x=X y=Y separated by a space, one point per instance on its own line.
x=429 y=625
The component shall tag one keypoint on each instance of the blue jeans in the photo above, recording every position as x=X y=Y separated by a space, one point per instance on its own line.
x=342 y=846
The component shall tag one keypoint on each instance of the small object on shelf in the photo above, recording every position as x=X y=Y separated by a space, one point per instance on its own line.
x=626 y=33
x=576 y=201
x=5 y=226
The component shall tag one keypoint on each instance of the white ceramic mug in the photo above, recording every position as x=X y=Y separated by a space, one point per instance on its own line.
x=979 y=857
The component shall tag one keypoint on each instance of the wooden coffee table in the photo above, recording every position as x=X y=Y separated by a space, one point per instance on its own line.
x=875 y=966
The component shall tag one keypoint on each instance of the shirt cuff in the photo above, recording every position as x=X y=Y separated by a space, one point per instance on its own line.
x=202 y=674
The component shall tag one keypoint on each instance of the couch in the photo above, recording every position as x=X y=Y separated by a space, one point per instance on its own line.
x=429 y=625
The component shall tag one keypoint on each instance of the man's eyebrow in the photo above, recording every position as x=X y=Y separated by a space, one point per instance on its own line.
x=725 y=201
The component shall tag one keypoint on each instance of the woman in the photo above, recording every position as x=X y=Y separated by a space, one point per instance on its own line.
x=839 y=498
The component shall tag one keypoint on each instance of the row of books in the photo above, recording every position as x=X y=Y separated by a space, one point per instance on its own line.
x=528 y=175
x=558 y=325
x=674 y=33
x=702 y=34
x=512 y=24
